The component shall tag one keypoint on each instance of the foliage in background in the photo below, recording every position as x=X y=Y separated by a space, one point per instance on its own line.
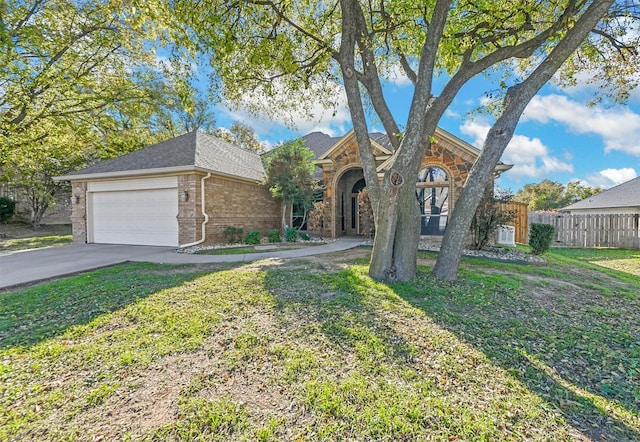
x=7 y=208
x=540 y=237
x=550 y=195
x=233 y=235
x=488 y=218
x=241 y=135
x=289 y=169
x=80 y=83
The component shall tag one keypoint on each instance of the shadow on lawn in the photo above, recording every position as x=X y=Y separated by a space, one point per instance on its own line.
x=32 y=315
x=579 y=352
x=582 y=358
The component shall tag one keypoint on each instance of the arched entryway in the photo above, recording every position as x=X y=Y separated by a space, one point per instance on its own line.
x=432 y=191
x=346 y=202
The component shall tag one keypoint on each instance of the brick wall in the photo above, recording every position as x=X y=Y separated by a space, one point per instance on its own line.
x=79 y=211
x=238 y=203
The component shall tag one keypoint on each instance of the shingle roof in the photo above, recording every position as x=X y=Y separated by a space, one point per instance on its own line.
x=623 y=195
x=193 y=149
x=319 y=142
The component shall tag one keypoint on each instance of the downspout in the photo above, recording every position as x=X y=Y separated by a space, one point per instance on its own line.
x=204 y=213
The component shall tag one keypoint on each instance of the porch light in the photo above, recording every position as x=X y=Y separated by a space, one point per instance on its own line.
x=184 y=196
x=75 y=199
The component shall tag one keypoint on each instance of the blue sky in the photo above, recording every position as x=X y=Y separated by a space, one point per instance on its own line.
x=558 y=138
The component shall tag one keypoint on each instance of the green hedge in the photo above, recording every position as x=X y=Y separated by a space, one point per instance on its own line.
x=7 y=207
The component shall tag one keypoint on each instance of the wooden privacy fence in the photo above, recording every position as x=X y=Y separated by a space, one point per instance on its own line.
x=519 y=222
x=607 y=230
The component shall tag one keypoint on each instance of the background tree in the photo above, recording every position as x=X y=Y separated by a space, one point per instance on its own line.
x=241 y=135
x=278 y=55
x=551 y=195
x=78 y=84
x=289 y=170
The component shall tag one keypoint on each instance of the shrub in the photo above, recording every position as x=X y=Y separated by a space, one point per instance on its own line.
x=291 y=234
x=315 y=223
x=540 y=237
x=488 y=217
x=274 y=235
x=253 y=237
x=305 y=237
x=7 y=207
x=233 y=235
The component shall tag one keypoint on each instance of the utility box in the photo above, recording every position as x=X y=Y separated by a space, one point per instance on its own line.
x=506 y=236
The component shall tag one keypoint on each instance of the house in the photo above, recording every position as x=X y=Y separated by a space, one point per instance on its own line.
x=180 y=192
x=189 y=189
x=444 y=170
x=621 y=199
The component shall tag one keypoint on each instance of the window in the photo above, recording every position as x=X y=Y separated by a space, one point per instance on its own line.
x=432 y=191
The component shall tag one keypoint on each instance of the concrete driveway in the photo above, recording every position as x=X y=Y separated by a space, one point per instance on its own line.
x=29 y=266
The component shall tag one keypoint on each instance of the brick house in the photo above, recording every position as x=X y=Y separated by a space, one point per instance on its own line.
x=444 y=170
x=189 y=189
x=179 y=192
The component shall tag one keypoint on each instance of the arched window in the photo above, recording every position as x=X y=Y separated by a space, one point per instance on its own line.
x=432 y=191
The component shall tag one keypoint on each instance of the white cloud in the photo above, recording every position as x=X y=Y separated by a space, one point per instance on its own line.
x=311 y=113
x=611 y=177
x=618 y=127
x=529 y=156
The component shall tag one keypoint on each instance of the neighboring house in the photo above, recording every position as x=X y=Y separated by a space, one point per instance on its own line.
x=622 y=199
x=179 y=192
x=444 y=170
x=189 y=189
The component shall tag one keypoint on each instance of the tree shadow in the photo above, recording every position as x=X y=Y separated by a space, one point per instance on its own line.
x=572 y=345
x=32 y=315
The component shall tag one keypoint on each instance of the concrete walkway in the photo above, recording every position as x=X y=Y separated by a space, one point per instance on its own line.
x=30 y=266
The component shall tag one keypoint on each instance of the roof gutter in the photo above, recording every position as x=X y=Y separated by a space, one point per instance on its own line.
x=204 y=213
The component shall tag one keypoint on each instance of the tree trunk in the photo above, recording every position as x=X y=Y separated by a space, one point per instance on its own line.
x=499 y=136
x=398 y=230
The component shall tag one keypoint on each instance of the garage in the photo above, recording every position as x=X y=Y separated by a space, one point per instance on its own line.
x=137 y=212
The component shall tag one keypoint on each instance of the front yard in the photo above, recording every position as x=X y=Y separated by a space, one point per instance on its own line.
x=315 y=350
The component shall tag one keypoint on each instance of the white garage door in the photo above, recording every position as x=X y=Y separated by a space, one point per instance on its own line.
x=140 y=217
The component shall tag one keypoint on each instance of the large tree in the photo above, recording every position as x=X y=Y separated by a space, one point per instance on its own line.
x=77 y=84
x=279 y=55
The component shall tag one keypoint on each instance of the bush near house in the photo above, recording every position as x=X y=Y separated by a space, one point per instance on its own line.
x=291 y=234
x=253 y=237
x=274 y=235
x=233 y=235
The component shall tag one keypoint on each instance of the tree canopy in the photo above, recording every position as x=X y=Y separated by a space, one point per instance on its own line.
x=275 y=55
x=78 y=83
x=289 y=176
x=551 y=195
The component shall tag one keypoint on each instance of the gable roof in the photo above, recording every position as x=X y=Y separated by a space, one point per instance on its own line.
x=187 y=152
x=626 y=194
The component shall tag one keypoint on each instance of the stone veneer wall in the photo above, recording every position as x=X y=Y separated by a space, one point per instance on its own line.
x=453 y=160
x=238 y=203
x=79 y=212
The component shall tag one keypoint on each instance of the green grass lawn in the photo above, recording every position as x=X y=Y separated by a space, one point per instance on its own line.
x=10 y=245
x=316 y=350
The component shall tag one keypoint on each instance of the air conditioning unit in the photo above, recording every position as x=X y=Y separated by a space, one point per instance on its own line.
x=506 y=236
